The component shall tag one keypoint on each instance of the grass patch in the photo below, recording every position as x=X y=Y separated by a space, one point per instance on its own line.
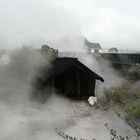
x=127 y=96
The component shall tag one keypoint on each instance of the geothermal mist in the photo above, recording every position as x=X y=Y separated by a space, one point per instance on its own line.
x=76 y=47
x=20 y=117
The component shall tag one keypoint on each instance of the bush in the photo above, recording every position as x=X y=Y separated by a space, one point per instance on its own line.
x=128 y=97
x=134 y=73
x=117 y=94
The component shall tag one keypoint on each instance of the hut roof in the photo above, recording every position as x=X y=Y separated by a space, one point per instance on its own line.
x=62 y=64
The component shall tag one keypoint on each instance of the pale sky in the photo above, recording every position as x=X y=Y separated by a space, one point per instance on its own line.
x=112 y=23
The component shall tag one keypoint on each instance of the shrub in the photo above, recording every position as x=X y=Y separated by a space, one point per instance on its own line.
x=127 y=96
x=134 y=73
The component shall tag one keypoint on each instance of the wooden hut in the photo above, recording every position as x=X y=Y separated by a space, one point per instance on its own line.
x=70 y=77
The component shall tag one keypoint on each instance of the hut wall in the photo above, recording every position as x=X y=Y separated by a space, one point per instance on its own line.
x=59 y=83
x=75 y=84
x=71 y=83
x=91 y=87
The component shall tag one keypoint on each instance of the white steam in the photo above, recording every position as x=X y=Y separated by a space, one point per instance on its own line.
x=76 y=47
x=22 y=118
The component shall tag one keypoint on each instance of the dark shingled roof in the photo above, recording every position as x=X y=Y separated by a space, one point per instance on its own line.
x=62 y=64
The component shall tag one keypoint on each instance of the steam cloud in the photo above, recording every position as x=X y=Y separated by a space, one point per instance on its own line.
x=76 y=47
x=20 y=117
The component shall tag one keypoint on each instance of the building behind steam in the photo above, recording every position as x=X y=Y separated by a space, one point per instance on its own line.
x=93 y=47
